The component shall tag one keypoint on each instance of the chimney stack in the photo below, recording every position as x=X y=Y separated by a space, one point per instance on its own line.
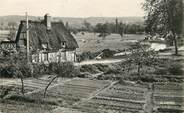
x=47 y=19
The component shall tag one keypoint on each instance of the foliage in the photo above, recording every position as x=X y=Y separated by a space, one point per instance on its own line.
x=170 y=68
x=106 y=53
x=175 y=69
x=164 y=16
x=103 y=29
x=122 y=28
x=87 y=55
x=64 y=69
x=107 y=28
x=87 y=26
x=14 y=65
x=141 y=56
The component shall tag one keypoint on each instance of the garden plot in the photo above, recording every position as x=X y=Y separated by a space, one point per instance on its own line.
x=168 y=86
x=30 y=85
x=119 y=97
x=73 y=91
x=168 y=97
x=63 y=92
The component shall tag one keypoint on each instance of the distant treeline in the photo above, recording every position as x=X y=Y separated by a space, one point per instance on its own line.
x=102 y=28
x=8 y=26
x=108 y=28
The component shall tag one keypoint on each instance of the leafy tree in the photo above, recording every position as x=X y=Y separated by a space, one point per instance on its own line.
x=67 y=25
x=141 y=56
x=164 y=16
x=103 y=29
x=121 y=29
x=107 y=28
x=87 y=26
x=12 y=25
x=15 y=65
x=23 y=68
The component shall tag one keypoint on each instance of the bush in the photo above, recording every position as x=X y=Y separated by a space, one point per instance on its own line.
x=8 y=71
x=25 y=70
x=148 y=79
x=92 y=69
x=106 y=53
x=66 y=69
x=175 y=69
x=87 y=56
x=161 y=71
x=63 y=69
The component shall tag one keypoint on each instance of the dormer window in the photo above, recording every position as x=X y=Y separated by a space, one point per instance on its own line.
x=45 y=46
x=63 y=44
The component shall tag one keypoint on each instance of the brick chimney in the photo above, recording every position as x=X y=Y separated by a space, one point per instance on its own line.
x=47 y=20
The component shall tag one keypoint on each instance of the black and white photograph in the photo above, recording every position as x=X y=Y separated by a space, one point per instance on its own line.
x=91 y=56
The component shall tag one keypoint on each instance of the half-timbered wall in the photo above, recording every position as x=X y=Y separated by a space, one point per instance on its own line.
x=8 y=46
x=54 y=57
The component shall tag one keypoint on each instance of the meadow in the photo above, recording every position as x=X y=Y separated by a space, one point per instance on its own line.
x=93 y=43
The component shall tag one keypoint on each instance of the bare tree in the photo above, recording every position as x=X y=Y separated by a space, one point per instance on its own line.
x=46 y=88
x=64 y=69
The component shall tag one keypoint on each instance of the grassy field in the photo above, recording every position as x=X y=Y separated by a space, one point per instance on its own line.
x=91 y=42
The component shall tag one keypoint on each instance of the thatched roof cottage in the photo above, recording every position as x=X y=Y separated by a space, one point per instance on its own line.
x=49 y=41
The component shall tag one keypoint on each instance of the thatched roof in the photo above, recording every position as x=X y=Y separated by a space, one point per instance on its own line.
x=39 y=35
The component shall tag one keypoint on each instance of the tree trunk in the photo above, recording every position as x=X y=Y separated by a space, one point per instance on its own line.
x=49 y=85
x=22 y=82
x=175 y=44
x=138 y=69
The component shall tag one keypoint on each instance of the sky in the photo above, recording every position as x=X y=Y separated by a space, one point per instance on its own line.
x=73 y=8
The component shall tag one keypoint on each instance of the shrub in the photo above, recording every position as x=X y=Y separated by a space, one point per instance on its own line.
x=92 y=69
x=160 y=71
x=87 y=55
x=7 y=71
x=106 y=53
x=26 y=70
x=53 y=67
x=175 y=69
x=65 y=69
x=113 y=69
x=148 y=79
